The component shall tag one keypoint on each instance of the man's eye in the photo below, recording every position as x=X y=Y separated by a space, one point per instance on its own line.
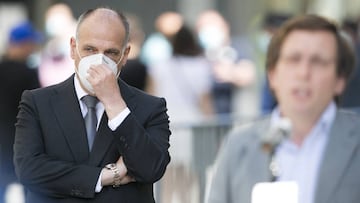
x=89 y=49
x=113 y=53
x=292 y=59
x=321 y=62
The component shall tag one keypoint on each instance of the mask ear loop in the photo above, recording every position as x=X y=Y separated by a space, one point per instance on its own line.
x=119 y=70
x=122 y=56
x=77 y=50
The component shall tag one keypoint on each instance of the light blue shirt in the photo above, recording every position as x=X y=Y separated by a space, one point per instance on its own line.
x=301 y=163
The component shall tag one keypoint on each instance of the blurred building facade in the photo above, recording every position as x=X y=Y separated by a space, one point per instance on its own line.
x=240 y=13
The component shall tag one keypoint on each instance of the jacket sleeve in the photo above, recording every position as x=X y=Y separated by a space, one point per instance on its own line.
x=219 y=184
x=144 y=144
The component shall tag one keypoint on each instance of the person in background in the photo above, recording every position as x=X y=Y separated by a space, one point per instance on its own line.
x=166 y=25
x=307 y=143
x=55 y=61
x=185 y=81
x=135 y=72
x=351 y=97
x=92 y=138
x=15 y=77
x=229 y=70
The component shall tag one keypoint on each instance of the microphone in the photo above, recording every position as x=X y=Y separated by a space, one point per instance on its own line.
x=279 y=131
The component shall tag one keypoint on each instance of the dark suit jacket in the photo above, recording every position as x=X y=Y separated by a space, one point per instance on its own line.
x=51 y=152
x=242 y=163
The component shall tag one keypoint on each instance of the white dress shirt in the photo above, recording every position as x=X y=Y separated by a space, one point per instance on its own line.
x=113 y=123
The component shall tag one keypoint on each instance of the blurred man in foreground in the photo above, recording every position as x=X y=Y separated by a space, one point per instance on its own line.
x=307 y=143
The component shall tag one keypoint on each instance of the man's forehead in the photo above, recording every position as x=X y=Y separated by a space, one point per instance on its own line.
x=312 y=35
x=105 y=14
x=88 y=43
x=101 y=17
x=101 y=28
x=310 y=31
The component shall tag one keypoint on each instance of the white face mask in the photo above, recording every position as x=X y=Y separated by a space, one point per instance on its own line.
x=95 y=59
x=211 y=37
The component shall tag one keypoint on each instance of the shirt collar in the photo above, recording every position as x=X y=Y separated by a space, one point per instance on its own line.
x=324 y=123
x=80 y=92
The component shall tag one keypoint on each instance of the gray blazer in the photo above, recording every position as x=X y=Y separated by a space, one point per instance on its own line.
x=242 y=163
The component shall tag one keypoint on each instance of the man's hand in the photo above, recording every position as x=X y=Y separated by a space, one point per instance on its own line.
x=121 y=166
x=127 y=179
x=106 y=89
x=107 y=177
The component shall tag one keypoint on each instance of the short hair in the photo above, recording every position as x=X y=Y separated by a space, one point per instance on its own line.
x=345 y=54
x=121 y=16
x=185 y=43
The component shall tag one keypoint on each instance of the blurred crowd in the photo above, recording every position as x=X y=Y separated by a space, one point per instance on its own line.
x=205 y=74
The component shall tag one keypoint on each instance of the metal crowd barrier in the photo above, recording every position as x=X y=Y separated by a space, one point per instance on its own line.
x=188 y=185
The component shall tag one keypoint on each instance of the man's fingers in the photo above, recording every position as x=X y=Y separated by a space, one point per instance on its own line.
x=126 y=179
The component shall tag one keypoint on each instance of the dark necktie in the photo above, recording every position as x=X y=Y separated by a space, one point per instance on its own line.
x=90 y=118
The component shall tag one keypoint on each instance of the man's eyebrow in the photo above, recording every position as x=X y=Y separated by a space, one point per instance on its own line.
x=88 y=45
x=113 y=50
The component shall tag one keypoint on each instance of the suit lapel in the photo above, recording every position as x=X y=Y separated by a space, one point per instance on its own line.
x=341 y=144
x=259 y=165
x=68 y=113
x=262 y=158
x=103 y=140
x=128 y=94
x=254 y=167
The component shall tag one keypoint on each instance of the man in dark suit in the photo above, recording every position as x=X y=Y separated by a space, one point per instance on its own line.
x=53 y=157
x=307 y=144
x=15 y=77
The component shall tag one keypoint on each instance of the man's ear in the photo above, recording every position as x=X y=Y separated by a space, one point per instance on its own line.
x=126 y=54
x=271 y=77
x=340 y=86
x=73 y=51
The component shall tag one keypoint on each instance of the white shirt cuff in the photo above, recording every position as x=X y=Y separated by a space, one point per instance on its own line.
x=115 y=122
x=98 y=187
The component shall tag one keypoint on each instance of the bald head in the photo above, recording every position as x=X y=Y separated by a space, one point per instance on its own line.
x=104 y=31
x=106 y=15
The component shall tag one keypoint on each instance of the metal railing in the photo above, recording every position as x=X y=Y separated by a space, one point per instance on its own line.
x=186 y=182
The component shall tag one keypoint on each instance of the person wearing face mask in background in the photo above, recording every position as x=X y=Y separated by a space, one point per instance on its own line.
x=166 y=25
x=55 y=160
x=55 y=61
x=231 y=70
x=136 y=72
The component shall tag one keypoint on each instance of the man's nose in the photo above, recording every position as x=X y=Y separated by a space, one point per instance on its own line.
x=304 y=69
